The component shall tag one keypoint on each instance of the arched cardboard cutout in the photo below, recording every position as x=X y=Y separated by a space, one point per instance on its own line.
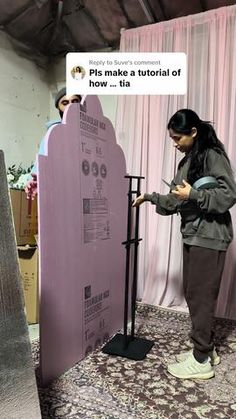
x=82 y=223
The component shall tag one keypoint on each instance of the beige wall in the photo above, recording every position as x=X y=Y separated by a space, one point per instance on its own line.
x=24 y=105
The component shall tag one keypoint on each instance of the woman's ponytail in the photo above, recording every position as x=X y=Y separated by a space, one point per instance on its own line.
x=182 y=122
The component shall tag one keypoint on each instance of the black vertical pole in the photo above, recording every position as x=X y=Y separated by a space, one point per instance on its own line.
x=135 y=271
x=121 y=344
x=127 y=261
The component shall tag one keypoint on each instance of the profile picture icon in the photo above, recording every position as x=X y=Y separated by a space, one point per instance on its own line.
x=78 y=72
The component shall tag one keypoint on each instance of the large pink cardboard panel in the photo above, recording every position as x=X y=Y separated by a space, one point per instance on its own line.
x=82 y=223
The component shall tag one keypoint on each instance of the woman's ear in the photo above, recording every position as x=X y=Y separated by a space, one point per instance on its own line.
x=193 y=132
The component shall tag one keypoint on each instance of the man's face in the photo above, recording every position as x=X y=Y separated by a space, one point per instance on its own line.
x=67 y=100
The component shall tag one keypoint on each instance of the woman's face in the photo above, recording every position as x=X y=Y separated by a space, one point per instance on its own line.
x=183 y=142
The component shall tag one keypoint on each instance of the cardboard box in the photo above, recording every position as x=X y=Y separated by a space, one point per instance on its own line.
x=28 y=261
x=25 y=215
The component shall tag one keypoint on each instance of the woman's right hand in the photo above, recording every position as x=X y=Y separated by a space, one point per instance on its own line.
x=138 y=201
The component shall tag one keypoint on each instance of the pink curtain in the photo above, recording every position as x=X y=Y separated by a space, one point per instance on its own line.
x=209 y=42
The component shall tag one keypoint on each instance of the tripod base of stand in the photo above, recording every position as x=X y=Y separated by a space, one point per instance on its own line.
x=136 y=348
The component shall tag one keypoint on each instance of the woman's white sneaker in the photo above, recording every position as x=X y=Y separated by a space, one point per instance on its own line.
x=215 y=358
x=190 y=368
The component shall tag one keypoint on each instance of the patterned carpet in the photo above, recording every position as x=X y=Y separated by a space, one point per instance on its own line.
x=106 y=387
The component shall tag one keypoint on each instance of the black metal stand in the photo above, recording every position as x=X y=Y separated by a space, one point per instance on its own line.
x=126 y=345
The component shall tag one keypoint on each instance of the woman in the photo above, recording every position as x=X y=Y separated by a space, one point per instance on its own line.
x=206 y=229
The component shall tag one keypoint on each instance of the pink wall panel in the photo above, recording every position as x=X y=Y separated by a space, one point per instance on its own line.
x=82 y=222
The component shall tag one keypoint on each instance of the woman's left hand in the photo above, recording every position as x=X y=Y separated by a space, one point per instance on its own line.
x=182 y=192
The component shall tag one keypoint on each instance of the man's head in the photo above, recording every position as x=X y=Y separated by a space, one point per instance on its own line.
x=62 y=100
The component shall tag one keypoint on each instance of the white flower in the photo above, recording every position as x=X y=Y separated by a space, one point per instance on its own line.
x=10 y=177
x=22 y=181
